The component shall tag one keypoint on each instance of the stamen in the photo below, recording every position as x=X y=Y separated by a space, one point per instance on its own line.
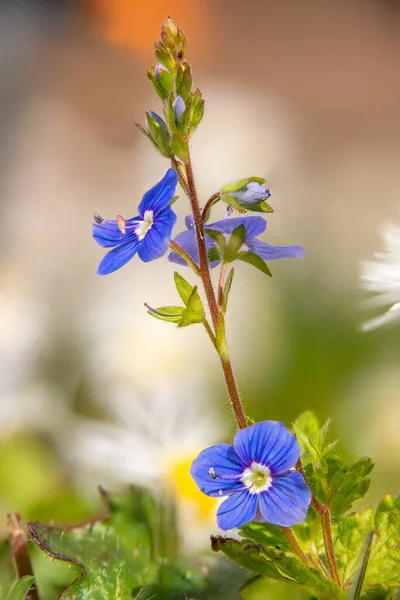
x=212 y=473
x=97 y=218
x=121 y=223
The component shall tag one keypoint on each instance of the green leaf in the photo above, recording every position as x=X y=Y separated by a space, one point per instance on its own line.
x=332 y=481
x=235 y=242
x=218 y=238
x=180 y=147
x=266 y=534
x=231 y=201
x=20 y=588
x=183 y=81
x=263 y=207
x=383 y=567
x=220 y=338
x=347 y=484
x=184 y=288
x=213 y=254
x=236 y=186
x=196 y=111
x=254 y=260
x=279 y=565
x=194 y=313
x=227 y=289
x=172 y=314
x=349 y=537
x=128 y=554
x=159 y=136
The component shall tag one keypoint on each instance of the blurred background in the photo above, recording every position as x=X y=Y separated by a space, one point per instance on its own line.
x=94 y=391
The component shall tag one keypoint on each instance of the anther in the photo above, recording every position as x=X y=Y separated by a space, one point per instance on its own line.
x=121 y=223
x=212 y=473
x=97 y=218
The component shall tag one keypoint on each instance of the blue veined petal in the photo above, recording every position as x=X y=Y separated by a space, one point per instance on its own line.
x=188 y=242
x=286 y=502
x=254 y=225
x=117 y=258
x=189 y=222
x=269 y=443
x=159 y=197
x=155 y=243
x=107 y=233
x=217 y=469
x=269 y=252
x=237 y=510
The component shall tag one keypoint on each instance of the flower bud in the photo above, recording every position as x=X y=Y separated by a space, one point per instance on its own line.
x=179 y=107
x=158 y=133
x=251 y=194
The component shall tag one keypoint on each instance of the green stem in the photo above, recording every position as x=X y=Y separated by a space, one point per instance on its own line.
x=20 y=552
x=215 y=310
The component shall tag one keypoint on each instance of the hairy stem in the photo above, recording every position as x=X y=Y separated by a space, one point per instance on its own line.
x=176 y=248
x=19 y=550
x=295 y=545
x=210 y=202
x=325 y=515
x=215 y=310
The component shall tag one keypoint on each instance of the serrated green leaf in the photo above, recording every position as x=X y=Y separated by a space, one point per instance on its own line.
x=20 y=588
x=348 y=484
x=235 y=242
x=125 y=556
x=227 y=289
x=383 y=567
x=255 y=261
x=349 y=537
x=279 y=565
x=184 y=287
x=171 y=314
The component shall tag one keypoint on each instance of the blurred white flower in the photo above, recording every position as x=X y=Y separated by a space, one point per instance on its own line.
x=382 y=276
x=152 y=442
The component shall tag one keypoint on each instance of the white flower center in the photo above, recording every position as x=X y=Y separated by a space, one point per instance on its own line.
x=144 y=226
x=257 y=478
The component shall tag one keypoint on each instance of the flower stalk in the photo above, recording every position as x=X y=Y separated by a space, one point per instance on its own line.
x=215 y=307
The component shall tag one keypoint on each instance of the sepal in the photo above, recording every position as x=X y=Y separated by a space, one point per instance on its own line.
x=161 y=80
x=158 y=134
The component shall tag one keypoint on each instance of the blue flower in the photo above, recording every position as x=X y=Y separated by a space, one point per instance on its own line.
x=254 y=227
x=256 y=474
x=253 y=193
x=148 y=234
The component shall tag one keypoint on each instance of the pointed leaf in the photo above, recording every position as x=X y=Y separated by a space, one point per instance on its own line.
x=227 y=289
x=194 y=313
x=184 y=288
x=263 y=207
x=171 y=314
x=180 y=147
x=235 y=242
x=236 y=186
x=213 y=254
x=255 y=261
x=218 y=238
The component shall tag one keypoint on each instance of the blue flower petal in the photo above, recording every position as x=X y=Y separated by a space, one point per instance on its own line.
x=188 y=242
x=159 y=197
x=269 y=252
x=269 y=443
x=107 y=233
x=254 y=225
x=237 y=510
x=286 y=502
x=223 y=462
x=155 y=243
x=117 y=258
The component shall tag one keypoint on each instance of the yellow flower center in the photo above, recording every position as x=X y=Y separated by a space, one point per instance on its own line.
x=257 y=478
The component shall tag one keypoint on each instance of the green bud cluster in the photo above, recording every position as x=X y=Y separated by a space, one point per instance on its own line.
x=171 y=78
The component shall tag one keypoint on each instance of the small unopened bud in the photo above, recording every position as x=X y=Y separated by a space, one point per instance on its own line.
x=251 y=194
x=155 y=117
x=179 y=107
x=158 y=68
